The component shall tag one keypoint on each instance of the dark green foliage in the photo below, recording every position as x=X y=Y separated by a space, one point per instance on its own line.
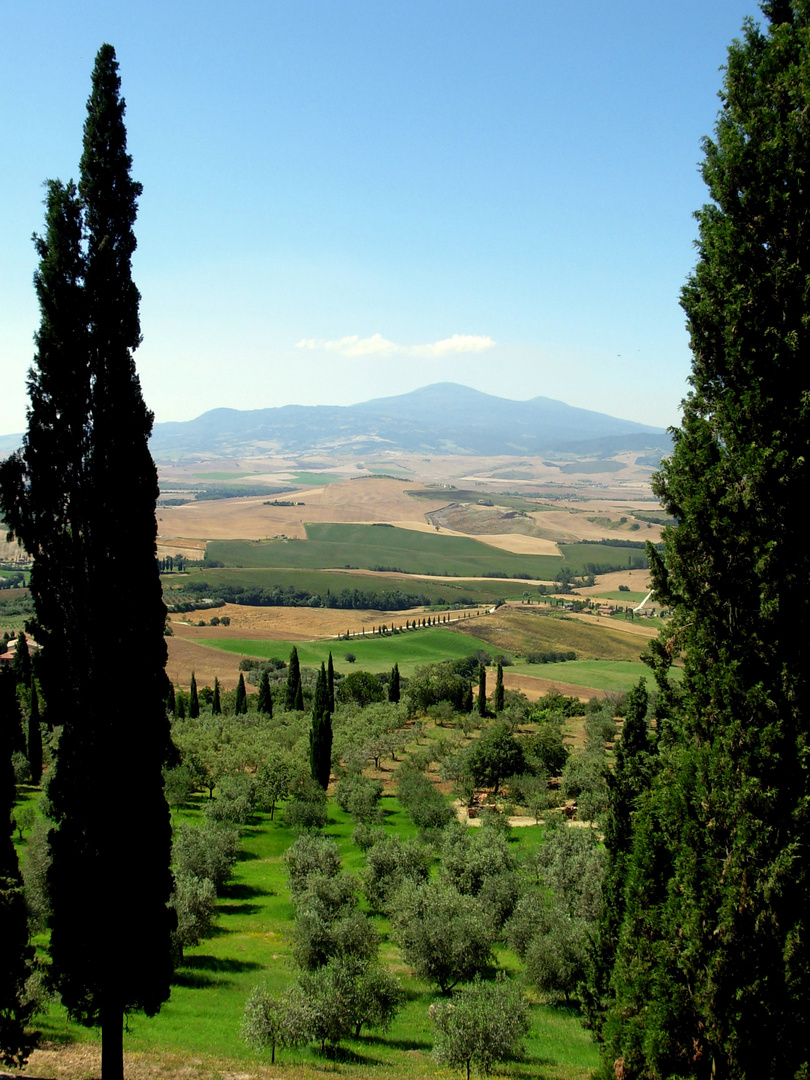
x=16 y=955
x=34 y=741
x=361 y=688
x=306 y=809
x=432 y=684
x=81 y=497
x=482 y=690
x=494 y=756
x=712 y=971
x=193 y=699
x=499 y=689
x=240 y=704
x=330 y=682
x=320 y=735
x=216 y=700
x=171 y=703
x=393 y=685
x=467 y=700
x=299 y=698
x=293 y=694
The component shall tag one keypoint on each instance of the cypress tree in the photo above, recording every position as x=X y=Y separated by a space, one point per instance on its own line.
x=34 y=737
x=482 y=690
x=171 y=704
x=393 y=686
x=320 y=735
x=330 y=682
x=499 y=689
x=16 y=954
x=216 y=701
x=712 y=972
x=81 y=496
x=467 y=705
x=298 y=705
x=240 y=707
x=193 y=700
x=22 y=661
x=265 y=698
x=293 y=683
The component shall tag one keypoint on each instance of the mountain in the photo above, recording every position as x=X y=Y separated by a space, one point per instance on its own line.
x=445 y=418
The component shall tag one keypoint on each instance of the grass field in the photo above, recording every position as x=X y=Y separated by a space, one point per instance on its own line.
x=198 y=1028
x=615 y=676
x=375 y=654
x=479 y=591
x=369 y=547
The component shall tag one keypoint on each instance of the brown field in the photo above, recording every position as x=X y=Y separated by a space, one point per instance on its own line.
x=284 y=624
x=362 y=500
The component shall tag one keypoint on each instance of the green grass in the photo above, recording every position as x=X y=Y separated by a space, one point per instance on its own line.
x=200 y=1023
x=375 y=654
x=367 y=547
x=617 y=676
x=222 y=475
x=319 y=581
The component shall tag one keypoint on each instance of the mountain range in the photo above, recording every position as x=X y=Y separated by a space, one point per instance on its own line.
x=445 y=418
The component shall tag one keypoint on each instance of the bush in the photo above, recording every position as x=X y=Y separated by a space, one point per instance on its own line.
x=426 y=806
x=195 y=902
x=310 y=855
x=206 y=852
x=482 y=1025
x=444 y=936
x=389 y=864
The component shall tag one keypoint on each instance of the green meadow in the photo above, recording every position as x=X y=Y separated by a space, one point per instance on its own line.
x=251 y=943
x=376 y=653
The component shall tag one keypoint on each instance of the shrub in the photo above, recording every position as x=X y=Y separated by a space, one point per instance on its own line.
x=206 y=852
x=482 y=1025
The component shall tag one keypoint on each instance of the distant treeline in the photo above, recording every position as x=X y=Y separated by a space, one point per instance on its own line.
x=289 y=596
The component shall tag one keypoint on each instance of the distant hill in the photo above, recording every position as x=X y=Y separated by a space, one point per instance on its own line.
x=445 y=418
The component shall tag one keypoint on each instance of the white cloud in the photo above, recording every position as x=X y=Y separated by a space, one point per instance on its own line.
x=377 y=345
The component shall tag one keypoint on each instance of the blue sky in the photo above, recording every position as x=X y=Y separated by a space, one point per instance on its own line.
x=346 y=199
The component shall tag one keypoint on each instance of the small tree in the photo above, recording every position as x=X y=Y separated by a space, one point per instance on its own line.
x=270 y=1022
x=483 y=1024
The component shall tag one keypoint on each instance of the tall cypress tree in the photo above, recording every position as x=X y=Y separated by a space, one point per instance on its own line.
x=393 y=686
x=482 y=690
x=81 y=497
x=193 y=699
x=293 y=682
x=240 y=708
x=34 y=737
x=330 y=682
x=320 y=735
x=712 y=975
x=216 y=701
x=499 y=688
x=264 y=702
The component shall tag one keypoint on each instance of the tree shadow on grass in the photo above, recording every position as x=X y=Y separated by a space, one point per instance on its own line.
x=396 y=1044
x=197 y=980
x=246 y=856
x=346 y=1056
x=236 y=909
x=219 y=964
x=238 y=891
